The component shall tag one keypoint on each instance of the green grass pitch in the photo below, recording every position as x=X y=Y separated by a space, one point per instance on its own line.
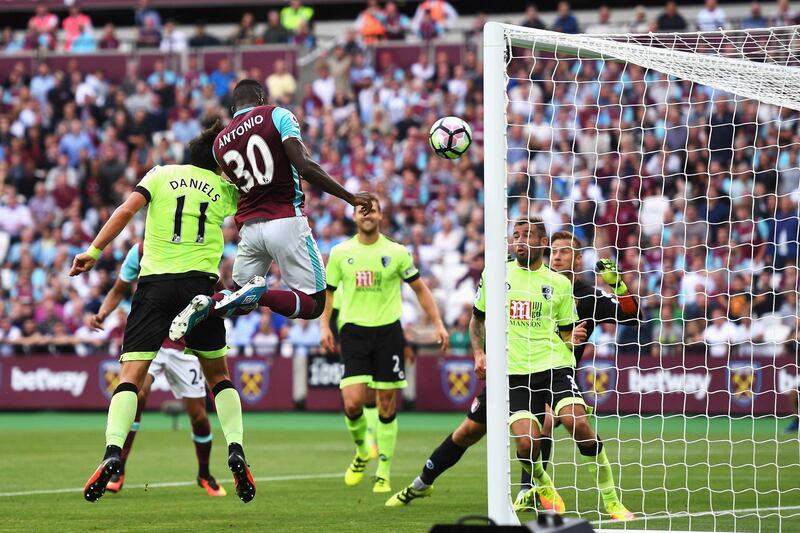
x=300 y=458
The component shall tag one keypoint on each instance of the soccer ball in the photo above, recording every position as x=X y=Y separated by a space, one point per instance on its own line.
x=450 y=137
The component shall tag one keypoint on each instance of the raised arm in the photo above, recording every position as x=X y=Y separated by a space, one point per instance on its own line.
x=428 y=305
x=313 y=173
x=626 y=305
x=122 y=215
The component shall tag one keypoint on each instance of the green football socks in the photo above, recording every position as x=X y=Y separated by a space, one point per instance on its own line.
x=121 y=413
x=358 y=431
x=600 y=469
x=387 y=439
x=229 y=412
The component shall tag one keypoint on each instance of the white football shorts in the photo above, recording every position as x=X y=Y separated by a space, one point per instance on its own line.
x=288 y=242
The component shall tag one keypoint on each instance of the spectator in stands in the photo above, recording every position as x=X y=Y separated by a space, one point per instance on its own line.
x=671 y=19
x=144 y=12
x=149 y=34
x=246 y=31
x=756 y=18
x=639 y=24
x=532 y=19
x=339 y=63
x=440 y=11
x=303 y=37
x=370 y=23
x=265 y=341
x=202 y=38
x=427 y=27
x=222 y=77
x=565 y=21
x=304 y=337
x=74 y=25
x=603 y=24
x=361 y=73
x=711 y=17
x=42 y=83
x=296 y=13
x=281 y=84
x=85 y=42
x=785 y=15
x=324 y=86
x=396 y=23
x=44 y=23
x=173 y=40
x=108 y=40
x=459 y=335
x=275 y=33
x=14 y=216
x=74 y=141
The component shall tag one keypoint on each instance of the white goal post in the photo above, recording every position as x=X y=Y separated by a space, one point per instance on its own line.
x=693 y=423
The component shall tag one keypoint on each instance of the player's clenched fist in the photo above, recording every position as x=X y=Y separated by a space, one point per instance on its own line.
x=364 y=201
x=82 y=263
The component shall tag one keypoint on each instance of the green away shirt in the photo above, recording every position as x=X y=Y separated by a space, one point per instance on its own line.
x=183 y=232
x=539 y=302
x=369 y=278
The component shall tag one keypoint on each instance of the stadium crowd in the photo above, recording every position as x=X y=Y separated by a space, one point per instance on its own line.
x=698 y=203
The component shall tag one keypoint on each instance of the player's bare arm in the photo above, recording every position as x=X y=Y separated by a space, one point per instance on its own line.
x=326 y=335
x=298 y=154
x=110 y=302
x=122 y=215
x=428 y=305
x=477 y=337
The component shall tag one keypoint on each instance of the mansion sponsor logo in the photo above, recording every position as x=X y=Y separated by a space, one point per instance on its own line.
x=46 y=380
x=666 y=381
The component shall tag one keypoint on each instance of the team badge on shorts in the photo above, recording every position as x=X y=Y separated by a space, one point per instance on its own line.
x=458 y=381
x=108 y=375
x=547 y=292
x=252 y=380
x=385 y=260
x=476 y=404
x=599 y=380
x=744 y=382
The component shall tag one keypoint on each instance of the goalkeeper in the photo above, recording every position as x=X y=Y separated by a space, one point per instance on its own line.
x=541 y=369
x=593 y=307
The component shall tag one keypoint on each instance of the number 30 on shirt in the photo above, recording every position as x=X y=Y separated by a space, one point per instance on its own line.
x=248 y=174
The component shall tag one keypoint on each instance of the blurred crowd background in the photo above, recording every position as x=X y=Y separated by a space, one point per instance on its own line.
x=698 y=203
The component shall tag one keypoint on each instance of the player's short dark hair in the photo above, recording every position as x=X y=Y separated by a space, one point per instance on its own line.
x=536 y=222
x=577 y=245
x=248 y=92
x=201 y=148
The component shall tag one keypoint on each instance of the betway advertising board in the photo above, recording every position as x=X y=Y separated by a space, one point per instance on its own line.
x=87 y=383
x=629 y=384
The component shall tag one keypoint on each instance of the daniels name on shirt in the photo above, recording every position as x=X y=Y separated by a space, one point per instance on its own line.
x=201 y=186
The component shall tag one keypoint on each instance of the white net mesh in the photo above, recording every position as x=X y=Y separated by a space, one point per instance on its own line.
x=676 y=156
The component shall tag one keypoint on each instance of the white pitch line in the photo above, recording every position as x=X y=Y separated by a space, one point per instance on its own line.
x=168 y=484
x=686 y=514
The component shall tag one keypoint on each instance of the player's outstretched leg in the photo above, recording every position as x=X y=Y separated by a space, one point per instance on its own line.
x=201 y=436
x=121 y=413
x=117 y=480
x=244 y=299
x=447 y=454
x=593 y=453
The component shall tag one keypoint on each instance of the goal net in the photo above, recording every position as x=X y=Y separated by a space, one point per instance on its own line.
x=676 y=156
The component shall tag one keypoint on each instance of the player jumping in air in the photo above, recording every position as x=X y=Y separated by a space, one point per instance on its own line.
x=594 y=307
x=541 y=367
x=186 y=205
x=183 y=373
x=369 y=268
x=262 y=153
